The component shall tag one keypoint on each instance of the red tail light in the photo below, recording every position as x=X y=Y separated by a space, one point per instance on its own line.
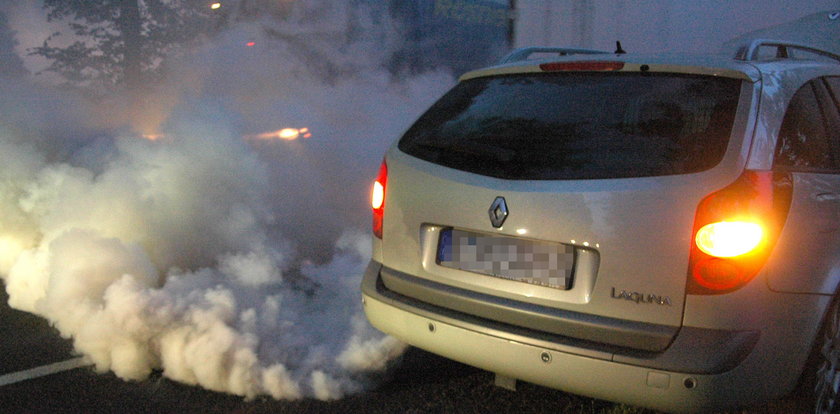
x=735 y=230
x=377 y=199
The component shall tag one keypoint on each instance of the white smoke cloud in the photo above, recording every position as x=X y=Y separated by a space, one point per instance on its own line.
x=219 y=261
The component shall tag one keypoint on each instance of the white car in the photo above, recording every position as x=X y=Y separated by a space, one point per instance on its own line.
x=660 y=231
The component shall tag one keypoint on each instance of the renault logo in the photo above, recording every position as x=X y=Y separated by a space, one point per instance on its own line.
x=498 y=212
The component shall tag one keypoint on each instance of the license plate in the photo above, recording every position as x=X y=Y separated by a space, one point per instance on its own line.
x=529 y=261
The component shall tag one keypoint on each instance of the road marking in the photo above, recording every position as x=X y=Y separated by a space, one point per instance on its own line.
x=43 y=371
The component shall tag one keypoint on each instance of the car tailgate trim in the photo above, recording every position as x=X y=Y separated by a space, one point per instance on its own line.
x=629 y=334
x=693 y=351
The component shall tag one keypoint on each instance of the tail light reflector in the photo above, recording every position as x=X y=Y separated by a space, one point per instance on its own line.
x=377 y=199
x=735 y=229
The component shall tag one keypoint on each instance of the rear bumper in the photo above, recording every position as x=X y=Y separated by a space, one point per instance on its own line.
x=700 y=370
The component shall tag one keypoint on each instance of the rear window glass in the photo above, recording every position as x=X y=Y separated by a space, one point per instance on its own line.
x=578 y=126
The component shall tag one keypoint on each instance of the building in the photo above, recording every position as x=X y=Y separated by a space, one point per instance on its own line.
x=651 y=25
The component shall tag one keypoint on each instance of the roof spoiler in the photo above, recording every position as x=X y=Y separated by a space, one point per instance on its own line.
x=525 y=52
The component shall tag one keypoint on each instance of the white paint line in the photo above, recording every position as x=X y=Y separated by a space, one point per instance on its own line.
x=43 y=371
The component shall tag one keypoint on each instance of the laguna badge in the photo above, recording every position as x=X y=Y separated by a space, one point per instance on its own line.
x=639 y=297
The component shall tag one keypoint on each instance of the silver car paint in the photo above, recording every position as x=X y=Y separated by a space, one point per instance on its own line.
x=803 y=262
x=769 y=372
x=640 y=229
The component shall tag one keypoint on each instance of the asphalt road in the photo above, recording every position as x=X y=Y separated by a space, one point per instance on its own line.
x=422 y=383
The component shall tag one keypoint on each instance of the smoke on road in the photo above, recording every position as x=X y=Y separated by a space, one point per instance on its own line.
x=225 y=262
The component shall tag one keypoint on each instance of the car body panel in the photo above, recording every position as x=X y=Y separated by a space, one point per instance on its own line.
x=625 y=330
x=808 y=259
x=628 y=223
x=779 y=81
x=616 y=375
x=700 y=65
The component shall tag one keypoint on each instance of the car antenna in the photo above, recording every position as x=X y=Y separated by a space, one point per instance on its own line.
x=618 y=49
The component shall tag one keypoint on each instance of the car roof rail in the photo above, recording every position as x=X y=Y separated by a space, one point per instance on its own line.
x=749 y=52
x=523 y=53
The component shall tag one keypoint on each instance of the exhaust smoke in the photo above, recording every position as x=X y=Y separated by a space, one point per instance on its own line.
x=219 y=260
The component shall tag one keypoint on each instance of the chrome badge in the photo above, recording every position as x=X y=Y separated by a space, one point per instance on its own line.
x=498 y=212
x=639 y=297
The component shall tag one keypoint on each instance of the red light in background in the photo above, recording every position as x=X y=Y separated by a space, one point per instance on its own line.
x=285 y=134
x=152 y=137
x=250 y=44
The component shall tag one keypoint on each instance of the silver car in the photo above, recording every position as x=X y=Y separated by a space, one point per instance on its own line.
x=660 y=231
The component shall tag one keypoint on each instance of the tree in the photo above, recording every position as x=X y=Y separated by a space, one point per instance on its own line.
x=11 y=63
x=121 y=42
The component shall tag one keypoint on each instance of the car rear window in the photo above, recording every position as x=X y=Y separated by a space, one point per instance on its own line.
x=578 y=125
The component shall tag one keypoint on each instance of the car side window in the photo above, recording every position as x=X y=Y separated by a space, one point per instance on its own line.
x=805 y=139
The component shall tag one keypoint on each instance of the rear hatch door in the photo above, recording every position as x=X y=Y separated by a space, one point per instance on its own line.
x=599 y=173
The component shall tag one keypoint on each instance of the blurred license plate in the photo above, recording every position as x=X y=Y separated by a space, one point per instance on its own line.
x=538 y=263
